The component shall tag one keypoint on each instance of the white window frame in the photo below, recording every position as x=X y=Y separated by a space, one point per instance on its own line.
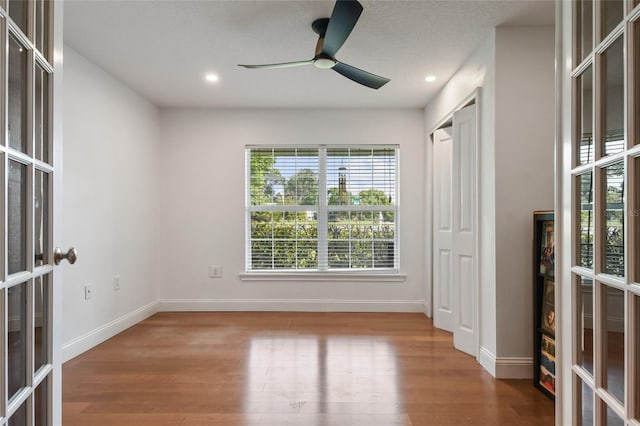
x=322 y=209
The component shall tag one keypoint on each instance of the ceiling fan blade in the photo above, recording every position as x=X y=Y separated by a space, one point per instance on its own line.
x=281 y=65
x=343 y=18
x=359 y=76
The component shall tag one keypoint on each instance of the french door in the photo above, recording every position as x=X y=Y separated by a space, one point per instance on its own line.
x=29 y=375
x=600 y=205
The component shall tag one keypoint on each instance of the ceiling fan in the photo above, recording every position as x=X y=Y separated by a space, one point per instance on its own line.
x=333 y=33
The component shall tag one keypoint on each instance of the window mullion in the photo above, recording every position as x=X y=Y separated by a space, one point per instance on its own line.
x=323 y=258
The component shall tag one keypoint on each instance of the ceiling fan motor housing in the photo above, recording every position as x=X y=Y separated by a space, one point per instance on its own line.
x=320 y=26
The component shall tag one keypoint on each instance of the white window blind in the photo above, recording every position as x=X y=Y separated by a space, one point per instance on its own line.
x=322 y=208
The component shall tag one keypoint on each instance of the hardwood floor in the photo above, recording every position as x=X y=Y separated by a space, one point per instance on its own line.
x=278 y=369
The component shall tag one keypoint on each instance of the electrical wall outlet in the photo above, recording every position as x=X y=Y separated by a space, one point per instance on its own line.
x=116 y=282
x=215 y=271
x=88 y=291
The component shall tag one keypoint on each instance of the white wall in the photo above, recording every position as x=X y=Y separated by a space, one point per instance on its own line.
x=524 y=172
x=109 y=203
x=202 y=191
x=477 y=71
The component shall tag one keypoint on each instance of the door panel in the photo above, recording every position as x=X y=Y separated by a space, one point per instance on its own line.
x=442 y=229
x=464 y=238
x=464 y=134
x=467 y=311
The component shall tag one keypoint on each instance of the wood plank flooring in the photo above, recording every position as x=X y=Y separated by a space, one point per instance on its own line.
x=279 y=369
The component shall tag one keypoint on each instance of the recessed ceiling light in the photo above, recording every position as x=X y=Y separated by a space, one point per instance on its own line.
x=430 y=78
x=212 y=78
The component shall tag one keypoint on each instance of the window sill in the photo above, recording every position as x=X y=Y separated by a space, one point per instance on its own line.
x=390 y=276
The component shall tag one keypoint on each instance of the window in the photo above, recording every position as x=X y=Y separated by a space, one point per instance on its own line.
x=322 y=208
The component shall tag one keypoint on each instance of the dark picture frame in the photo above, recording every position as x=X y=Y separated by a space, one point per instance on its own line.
x=547 y=377
x=547 y=258
x=544 y=310
x=548 y=317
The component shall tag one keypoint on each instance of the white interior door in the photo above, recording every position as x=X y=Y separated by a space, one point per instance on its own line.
x=30 y=375
x=443 y=310
x=465 y=333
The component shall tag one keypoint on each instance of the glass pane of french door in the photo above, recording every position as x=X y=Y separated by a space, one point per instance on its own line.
x=41 y=403
x=613 y=98
x=17 y=338
x=584 y=25
x=613 y=341
x=26 y=179
x=611 y=15
x=606 y=197
x=613 y=232
x=17 y=96
x=585 y=406
x=585 y=88
x=17 y=217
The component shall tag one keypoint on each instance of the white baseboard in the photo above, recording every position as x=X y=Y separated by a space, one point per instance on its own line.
x=290 y=305
x=427 y=313
x=83 y=343
x=487 y=360
x=506 y=367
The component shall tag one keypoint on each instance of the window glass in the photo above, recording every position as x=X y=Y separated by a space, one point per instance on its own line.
x=635 y=216
x=614 y=225
x=585 y=28
x=19 y=418
x=636 y=342
x=585 y=119
x=284 y=177
x=613 y=99
x=635 y=60
x=584 y=323
x=17 y=96
x=18 y=13
x=361 y=239
x=17 y=217
x=613 y=340
x=41 y=403
x=41 y=11
x=40 y=322
x=585 y=185
x=612 y=418
x=41 y=112
x=41 y=213
x=586 y=404
x=353 y=224
x=284 y=240
x=17 y=338
x=612 y=11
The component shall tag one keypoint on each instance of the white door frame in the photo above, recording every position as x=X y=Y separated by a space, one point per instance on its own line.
x=56 y=220
x=473 y=97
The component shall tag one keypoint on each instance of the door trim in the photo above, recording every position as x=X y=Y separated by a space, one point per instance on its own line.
x=56 y=219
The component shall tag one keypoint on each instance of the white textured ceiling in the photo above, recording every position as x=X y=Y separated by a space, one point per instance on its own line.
x=163 y=48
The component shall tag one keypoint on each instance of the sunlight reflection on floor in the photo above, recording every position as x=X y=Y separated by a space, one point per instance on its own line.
x=332 y=377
